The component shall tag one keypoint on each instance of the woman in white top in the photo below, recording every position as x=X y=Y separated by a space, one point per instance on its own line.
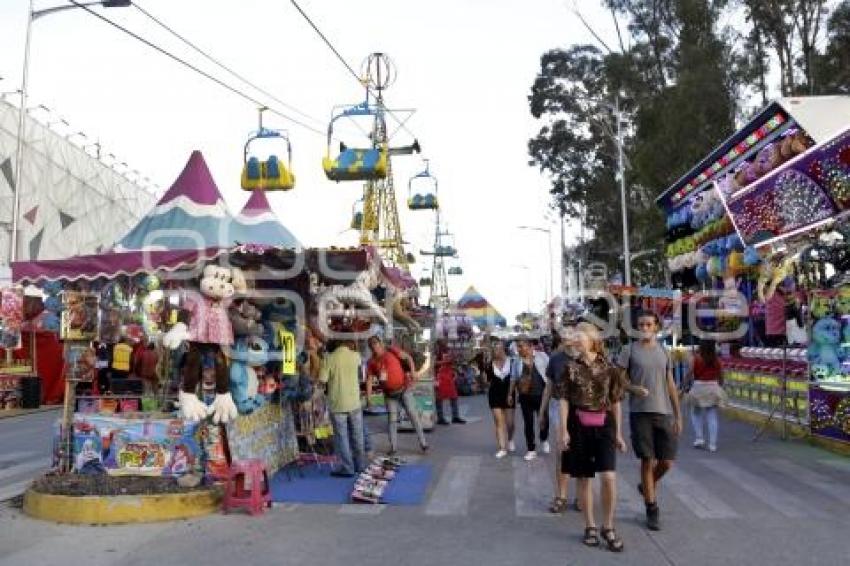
x=498 y=373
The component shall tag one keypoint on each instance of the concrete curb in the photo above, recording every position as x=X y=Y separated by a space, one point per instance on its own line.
x=13 y=413
x=796 y=431
x=95 y=510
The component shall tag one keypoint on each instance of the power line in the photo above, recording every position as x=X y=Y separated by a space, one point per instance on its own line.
x=201 y=72
x=350 y=69
x=221 y=65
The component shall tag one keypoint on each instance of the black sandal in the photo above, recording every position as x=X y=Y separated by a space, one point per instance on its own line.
x=614 y=542
x=591 y=536
x=559 y=505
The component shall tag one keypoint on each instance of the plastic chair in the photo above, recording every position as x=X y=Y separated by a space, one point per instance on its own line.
x=254 y=499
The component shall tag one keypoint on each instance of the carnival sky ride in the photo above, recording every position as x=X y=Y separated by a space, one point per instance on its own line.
x=270 y=173
x=372 y=164
x=422 y=191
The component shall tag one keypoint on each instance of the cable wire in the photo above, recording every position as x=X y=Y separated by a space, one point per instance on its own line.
x=201 y=72
x=221 y=65
x=350 y=69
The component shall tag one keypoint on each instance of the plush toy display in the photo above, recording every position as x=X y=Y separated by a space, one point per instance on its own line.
x=208 y=330
x=249 y=354
x=245 y=318
x=823 y=349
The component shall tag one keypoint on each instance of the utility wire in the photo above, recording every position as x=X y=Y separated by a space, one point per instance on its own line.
x=201 y=72
x=221 y=65
x=350 y=69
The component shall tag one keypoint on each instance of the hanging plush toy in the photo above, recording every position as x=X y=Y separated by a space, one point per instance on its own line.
x=823 y=349
x=208 y=330
x=249 y=354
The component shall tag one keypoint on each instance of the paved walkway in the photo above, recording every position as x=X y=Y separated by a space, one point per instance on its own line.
x=770 y=502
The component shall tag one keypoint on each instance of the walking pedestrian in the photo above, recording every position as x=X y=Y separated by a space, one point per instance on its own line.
x=500 y=397
x=655 y=420
x=529 y=381
x=395 y=371
x=591 y=431
x=556 y=371
x=705 y=394
x=446 y=390
x=341 y=372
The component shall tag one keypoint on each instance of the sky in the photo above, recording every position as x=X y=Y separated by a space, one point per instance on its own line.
x=466 y=66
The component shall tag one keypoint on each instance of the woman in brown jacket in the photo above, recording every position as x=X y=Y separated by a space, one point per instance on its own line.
x=591 y=430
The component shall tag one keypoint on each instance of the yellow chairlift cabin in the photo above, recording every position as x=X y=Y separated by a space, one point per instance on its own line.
x=422 y=191
x=270 y=173
x=356 y=164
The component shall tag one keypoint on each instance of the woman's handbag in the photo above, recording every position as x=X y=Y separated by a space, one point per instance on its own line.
x=592 y=419
x=526 y=381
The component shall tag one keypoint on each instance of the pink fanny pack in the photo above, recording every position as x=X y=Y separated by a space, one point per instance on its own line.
x=591 y=418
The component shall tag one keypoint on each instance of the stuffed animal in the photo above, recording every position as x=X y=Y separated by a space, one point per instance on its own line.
x=794 y=142
x=207 y=331
x=768 y=159
x=821 y=306
x=248 y=354
x=823 y=349
x=245 y=318
x=842 y=300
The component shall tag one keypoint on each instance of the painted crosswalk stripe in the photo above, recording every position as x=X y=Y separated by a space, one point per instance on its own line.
x=15 y=456
x=454 y=490
x=19 y=469
x=364 y=509
x=778 y=499
x=629 y=500
x=533 y=487
x=14 y=489
x=812 y=479
x=695 y=496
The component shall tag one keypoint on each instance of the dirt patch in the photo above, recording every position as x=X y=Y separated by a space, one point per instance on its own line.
x=77 y=485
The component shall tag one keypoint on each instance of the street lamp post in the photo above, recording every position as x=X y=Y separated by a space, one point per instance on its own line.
x=33 y=15
x=548 y=233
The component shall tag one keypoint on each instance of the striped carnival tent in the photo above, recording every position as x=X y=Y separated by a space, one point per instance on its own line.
x=482 y=313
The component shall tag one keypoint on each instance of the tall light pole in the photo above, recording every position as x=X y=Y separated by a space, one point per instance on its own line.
x=622 y=174
x=32 y=15
x=548 y=233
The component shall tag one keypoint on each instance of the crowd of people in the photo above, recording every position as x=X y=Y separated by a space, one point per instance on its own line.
x=575 y=394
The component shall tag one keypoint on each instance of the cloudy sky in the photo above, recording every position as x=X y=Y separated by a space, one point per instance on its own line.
x=465 y=65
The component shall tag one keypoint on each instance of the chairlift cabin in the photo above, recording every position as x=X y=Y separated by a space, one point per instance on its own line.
x=446 y=247
x=269 y=173
x=422 y=191
x=356 y=164
x=425 y=281
x=456 y=270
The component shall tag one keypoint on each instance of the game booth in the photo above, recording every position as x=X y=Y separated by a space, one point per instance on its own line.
x=191 y=365
x=758 y=241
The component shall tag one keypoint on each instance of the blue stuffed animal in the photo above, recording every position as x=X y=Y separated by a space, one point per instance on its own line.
x=248 y=353
x=823 y=349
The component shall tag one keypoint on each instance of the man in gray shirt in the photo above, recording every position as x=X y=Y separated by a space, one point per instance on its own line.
x=656 y=421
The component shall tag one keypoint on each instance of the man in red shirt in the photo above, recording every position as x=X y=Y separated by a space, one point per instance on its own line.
x=394 y=369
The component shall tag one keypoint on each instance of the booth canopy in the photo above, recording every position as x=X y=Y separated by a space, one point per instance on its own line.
x=192 y=215
x=479 y=309
x=258 y=224
x=332 y=265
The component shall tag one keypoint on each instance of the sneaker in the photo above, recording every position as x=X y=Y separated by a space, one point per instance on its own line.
x=653 y=519
x=546 y=448
x=699 y=443
x=501 y=454
x=442 y=422
x=712 y=448
x=511 y=446
x=530 y=455
x=424 y=448
x=458 y=420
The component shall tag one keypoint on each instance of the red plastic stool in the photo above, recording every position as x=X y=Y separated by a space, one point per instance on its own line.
x=253 y=499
